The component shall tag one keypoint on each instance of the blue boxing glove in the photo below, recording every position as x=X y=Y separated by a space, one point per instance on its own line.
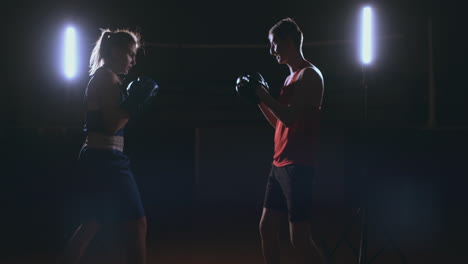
x=247 y=83
x=140 y=94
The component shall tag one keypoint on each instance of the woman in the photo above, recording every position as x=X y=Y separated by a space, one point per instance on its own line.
x=107 y=190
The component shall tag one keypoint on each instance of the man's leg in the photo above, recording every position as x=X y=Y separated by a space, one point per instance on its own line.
x=303 y=244
x=269 y=231
x=297 y=183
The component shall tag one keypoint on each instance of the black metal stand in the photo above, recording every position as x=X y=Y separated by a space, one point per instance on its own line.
x=363 y=212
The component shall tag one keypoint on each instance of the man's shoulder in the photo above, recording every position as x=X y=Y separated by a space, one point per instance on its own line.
x=311 y=72
x=310 y=77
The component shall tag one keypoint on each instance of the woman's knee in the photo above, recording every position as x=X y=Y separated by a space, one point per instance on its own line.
x=89 y=227
x=140 y=225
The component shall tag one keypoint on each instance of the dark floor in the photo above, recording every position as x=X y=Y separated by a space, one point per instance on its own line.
x=205 y=208
x=219 y=235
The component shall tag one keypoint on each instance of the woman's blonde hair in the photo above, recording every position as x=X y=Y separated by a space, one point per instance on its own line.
x=120 y=38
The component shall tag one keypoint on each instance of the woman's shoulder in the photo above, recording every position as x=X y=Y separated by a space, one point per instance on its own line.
x=104 y=73
x=104 y=77
x=103 y=80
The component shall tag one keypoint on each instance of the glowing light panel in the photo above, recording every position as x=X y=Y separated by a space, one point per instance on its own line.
x=70 y=53
x=366 y=36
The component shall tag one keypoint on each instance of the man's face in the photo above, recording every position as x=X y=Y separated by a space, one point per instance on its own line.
x=280 y=48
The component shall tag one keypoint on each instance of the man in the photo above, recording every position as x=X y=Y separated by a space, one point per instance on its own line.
x=296 y=119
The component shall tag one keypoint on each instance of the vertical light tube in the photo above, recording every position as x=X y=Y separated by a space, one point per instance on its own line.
x=70 y=53
x=366 y=36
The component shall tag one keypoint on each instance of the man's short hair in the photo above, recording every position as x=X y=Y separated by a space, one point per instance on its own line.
x=287 y=28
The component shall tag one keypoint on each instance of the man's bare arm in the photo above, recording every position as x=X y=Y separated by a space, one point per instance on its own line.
x=307 y=95
x=268 y=114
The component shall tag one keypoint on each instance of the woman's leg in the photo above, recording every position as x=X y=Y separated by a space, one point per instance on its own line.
x=79 y=242
x=136 y=240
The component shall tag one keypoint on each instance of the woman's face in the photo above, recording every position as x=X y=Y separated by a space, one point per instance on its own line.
x=125 y=59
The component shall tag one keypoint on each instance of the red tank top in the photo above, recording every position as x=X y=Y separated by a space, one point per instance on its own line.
x=297 y=144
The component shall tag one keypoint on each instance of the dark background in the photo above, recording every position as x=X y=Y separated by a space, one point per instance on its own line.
x=201 y=155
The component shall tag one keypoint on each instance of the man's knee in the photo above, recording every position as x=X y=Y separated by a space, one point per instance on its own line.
x=269 y=224
x=300 y=234
x=266 y=228
x=299 y=241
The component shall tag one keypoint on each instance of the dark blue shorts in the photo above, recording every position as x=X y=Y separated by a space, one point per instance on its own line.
x=289 y=189
x=106 y=187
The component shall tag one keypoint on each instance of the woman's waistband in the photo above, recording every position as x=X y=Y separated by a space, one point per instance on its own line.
x=102 y=141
